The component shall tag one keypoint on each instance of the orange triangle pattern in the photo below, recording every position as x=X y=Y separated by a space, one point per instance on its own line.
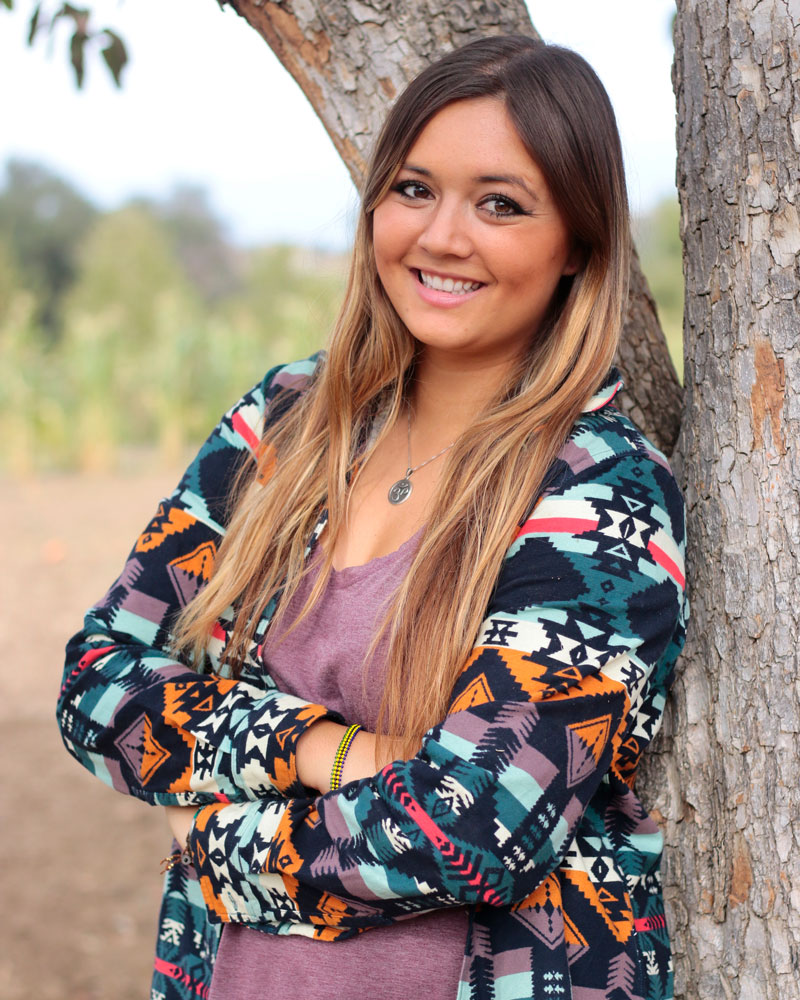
x=605 y=902
x=283 y=774
x=527 y=673
x=477 y=692
x=569 y=674
x=289 y=860
x=206 y=705
x=632 y=747
x=182 y=698
x=572 y=935
x=541 y=912
x=594 y=733
x=282 y=735
x=580 y=759
x=160 y=528
x=332 y=910
x=199 y=562
x=154 y=754
x=627 y=760
x=549 y=889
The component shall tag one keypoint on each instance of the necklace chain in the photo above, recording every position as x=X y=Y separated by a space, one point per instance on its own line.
x=411 y=470
x=401 y=490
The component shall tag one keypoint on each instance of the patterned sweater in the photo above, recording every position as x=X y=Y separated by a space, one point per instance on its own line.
x=520 y=804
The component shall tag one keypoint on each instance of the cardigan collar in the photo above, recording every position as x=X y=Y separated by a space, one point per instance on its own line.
x=611 y=386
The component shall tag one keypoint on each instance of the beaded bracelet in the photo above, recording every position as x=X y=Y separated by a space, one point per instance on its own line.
x=341 y=754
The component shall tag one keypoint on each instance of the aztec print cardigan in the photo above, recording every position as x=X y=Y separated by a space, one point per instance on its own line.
x=519 y=805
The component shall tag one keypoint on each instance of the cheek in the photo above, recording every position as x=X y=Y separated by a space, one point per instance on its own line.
x=389 y=245
x=563 y=254
x=387 y=235
x=542 y=262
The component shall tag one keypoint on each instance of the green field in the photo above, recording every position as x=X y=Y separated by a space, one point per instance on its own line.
x=128 y=333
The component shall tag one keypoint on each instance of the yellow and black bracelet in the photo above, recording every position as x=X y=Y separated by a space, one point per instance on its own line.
x=341 y=754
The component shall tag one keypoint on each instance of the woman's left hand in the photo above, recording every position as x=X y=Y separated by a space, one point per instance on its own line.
x=180 y=820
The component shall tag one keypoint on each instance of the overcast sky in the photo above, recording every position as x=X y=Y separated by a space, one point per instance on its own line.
x=205 y=101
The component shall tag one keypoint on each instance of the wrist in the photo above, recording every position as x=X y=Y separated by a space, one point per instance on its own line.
x=315 y=751
x=181 y=821
x=340 y=757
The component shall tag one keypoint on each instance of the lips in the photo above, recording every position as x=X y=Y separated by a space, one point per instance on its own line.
x=454 y=286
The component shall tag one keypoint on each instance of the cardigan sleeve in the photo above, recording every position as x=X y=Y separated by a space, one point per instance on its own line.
x=572 y=662
x=128 y=710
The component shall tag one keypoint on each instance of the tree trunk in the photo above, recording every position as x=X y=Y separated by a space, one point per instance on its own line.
x=352 y=57
x=728 y=774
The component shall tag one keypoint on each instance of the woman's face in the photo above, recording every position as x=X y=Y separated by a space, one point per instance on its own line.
x=468 y=243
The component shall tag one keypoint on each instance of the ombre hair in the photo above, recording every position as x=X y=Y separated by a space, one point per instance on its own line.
x=496 y=469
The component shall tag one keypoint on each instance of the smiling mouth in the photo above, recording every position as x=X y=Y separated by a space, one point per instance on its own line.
x=456 y=286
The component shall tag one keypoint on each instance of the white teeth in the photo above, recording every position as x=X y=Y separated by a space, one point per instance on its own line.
x=456 y=287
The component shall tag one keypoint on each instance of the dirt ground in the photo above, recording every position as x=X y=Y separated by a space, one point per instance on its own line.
x=80 y=862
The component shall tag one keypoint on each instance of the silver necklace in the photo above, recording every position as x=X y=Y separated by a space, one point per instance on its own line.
x=401 y=490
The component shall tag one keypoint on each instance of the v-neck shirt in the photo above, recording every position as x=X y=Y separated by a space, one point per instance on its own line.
x=324 y=660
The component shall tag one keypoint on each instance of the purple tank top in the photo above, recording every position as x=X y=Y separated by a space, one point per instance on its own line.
x=322 y=660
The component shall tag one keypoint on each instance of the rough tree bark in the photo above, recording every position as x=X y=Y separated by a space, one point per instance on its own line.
x=729 y=763
x=352 y=57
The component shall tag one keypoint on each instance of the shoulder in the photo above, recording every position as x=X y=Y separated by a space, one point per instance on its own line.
x=262 y=405
x=606 y=455
x=292 y=378
x=205 y=487
x=603 y=436
x=594 y=577
x=610 y=503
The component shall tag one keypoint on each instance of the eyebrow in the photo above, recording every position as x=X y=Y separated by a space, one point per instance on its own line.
x=512 y=179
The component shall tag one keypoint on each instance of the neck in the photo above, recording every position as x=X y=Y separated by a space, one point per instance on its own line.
x=447 y=393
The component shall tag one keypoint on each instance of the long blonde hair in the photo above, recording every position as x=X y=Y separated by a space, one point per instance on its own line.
x=497 y=467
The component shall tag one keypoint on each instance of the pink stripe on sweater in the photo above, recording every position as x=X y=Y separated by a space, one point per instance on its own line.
x=243 y=429
x=440 y=840
x=85 y=661
x=556 y=525
x=172 y=971
x=668 y=564
x=644 y=924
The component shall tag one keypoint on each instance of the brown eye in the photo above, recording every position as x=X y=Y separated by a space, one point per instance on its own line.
x=501 y=206
x=413 y=190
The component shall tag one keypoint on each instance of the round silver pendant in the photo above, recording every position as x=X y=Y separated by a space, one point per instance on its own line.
x=400 y=491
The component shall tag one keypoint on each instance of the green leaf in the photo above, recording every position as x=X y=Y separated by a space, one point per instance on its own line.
x=76 y=13
x=8 y=3
x=76 y=47
x=115 y=55
x=34 y=23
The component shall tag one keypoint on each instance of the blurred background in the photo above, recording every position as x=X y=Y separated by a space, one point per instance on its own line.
x=161 y=245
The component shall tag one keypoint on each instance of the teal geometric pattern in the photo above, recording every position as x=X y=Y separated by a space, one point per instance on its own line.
x=520 y=803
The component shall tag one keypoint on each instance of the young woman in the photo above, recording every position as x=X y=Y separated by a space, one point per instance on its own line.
x=442 y=531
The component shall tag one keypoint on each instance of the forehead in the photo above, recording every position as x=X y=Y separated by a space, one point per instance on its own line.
x=476 y=137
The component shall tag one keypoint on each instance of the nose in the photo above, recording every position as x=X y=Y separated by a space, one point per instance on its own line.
x=446 y=231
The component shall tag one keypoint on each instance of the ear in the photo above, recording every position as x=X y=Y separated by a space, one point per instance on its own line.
x=575 y=262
